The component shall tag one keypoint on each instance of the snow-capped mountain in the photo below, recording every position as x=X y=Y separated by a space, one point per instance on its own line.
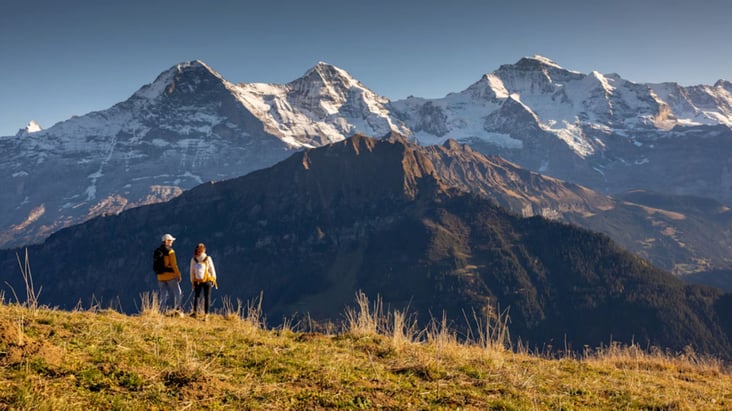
x=324 y=106
x=570 y=105
x=191 y=125
x=598 y=130
x=187 y=127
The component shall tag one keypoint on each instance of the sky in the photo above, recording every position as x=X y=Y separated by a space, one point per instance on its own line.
x=64 y=58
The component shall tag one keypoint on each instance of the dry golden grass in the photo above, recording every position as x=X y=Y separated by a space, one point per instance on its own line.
x=101 y=359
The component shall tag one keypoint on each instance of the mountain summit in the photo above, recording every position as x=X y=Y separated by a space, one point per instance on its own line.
x=325 y=105
x=324 y=89
x=192 y=77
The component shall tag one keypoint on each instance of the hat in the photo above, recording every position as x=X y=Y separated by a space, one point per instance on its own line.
x=168 y=237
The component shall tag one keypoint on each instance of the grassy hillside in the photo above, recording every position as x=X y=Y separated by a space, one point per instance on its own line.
x=101 y=359
x=314 y=229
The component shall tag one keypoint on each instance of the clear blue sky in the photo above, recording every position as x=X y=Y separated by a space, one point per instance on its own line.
x=63 y=58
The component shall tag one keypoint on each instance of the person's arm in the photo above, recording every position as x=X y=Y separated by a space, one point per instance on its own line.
x=174 y=263
x=212 y=271
x=191 y=272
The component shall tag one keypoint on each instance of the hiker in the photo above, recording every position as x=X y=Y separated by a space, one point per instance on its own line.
x=203 y=277
x=166 y=268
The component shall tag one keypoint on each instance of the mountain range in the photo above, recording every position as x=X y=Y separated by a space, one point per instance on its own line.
x=375 y=215
x=652 y=159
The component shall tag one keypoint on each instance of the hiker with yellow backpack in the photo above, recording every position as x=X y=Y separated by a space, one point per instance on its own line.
x=165 y=266
x=203 y=277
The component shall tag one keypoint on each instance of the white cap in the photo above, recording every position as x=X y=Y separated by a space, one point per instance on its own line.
x=168 y=237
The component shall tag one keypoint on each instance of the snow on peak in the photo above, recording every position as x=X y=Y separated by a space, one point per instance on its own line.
x=325 y=88
x=157 y=87
x=603 y=80
x=540 y=65
x=497 y=85
x=489 y=87
x=32 y=127
x=198 y=68
x=325 y=105
x=196 y=63
x=544 y=60
x=164 y=81
x=324 y=73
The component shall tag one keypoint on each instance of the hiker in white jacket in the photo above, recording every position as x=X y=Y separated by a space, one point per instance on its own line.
x=203 y=277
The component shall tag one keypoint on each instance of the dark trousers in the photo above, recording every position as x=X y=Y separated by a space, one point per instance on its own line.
x=206 y=287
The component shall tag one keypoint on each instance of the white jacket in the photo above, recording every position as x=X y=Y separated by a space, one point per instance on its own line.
x=210 y=269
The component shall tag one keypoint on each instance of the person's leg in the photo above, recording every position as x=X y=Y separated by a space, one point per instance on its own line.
x=197 y=290
x=162 y=295
x=206 y=296
x=177 y=294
